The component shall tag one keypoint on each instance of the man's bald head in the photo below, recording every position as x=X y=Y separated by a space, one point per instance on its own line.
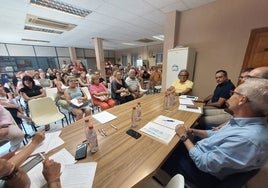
x=259 y=72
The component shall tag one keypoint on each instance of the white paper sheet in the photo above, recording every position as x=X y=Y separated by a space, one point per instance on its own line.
x=190 y=109
x=190 y=97
x=160 y=132
x=78 y=175
x=52 y=140
x=168 y=122
x=104 y=117
x=35 y=174
x=186 y=101
x=76 y=103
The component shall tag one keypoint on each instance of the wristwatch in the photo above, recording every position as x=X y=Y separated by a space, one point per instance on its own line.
x=184 y=138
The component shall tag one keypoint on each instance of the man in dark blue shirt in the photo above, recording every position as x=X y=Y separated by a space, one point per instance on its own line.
x=214 y=113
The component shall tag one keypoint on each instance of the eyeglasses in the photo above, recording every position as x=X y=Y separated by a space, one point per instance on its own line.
x=185 y=75
x=240 y=94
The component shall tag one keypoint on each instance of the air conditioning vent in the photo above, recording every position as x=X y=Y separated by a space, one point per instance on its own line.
x=30 y=28
x=46 y=23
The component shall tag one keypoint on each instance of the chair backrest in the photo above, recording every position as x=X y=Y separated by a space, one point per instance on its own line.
x=176 y=182
x=41 y=106
x=86 y=92
x=51 y=92
x=237 y=180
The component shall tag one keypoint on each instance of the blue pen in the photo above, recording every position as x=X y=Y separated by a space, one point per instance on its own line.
x=168 y=120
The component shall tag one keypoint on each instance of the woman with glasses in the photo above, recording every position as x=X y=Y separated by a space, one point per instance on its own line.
x=77 y=100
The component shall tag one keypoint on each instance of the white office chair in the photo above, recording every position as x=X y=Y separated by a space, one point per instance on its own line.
x=176 y=182
x=51 y=92
x=44 y=111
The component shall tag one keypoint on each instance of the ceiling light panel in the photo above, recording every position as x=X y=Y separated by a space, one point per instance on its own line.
x=61 y=6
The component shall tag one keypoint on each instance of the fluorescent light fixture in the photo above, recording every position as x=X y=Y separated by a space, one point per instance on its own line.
x=159 y=37
x=62 y=7
x=129 y=44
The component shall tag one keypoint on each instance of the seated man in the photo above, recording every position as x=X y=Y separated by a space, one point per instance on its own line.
x=182 y=86
x=240 y=146
x=133 y=84
x=214 y=113
x=9 y=130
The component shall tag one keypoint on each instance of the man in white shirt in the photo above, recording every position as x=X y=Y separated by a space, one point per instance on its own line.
x=133 y=84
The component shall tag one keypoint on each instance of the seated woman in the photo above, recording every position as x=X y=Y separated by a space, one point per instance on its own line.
x=31 y=91
x=44 y=82
x=82 y=80
x=76 y=99
x=9 y=103
x=9 y=130
x=61 y=84
x=120 y=89
x=99 y=94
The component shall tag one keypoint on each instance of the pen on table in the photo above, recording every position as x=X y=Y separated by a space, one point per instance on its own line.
x=113 y=126
x=103 y=131
x=43 y=157
x=168 y=120
x=33 y=155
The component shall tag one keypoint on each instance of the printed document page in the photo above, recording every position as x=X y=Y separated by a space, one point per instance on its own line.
x=160 y=132
x=104 y=117
x=168 y=122
x=51 y=141
x=190 y=97
x=35 y=174
x=79 y=175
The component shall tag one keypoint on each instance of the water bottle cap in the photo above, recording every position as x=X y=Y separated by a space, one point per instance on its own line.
x=134 y=108
x=90 y=126
x=86 y=120
x=139 y=103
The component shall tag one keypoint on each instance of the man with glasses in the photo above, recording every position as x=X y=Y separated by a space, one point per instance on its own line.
x=214 y=113
x=240 y=146
x=182 y=86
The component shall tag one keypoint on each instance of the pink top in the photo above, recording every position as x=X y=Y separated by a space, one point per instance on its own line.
x=96 y=89
x=5 y=117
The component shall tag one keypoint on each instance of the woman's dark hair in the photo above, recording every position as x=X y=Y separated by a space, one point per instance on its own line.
x=27 y=78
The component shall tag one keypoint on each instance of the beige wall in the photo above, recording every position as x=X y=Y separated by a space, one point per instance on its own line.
x=219 y=32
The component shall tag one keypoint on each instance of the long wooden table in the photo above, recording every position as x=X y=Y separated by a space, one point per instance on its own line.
x=123 y=161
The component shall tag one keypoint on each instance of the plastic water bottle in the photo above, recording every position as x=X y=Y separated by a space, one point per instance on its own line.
x=134 y=118
x=138 y=107
x=172 y=99
x=166 y=101
x=92 y=139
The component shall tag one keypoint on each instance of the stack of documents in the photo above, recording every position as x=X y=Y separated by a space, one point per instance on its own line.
x=73 y=175
x=162 y=128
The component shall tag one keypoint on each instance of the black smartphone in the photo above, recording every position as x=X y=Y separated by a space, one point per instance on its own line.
x=32 y=163
x=133 y=133
x=81 y=151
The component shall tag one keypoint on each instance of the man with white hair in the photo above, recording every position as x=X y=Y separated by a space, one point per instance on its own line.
x=133 y=84
x=239 y=146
